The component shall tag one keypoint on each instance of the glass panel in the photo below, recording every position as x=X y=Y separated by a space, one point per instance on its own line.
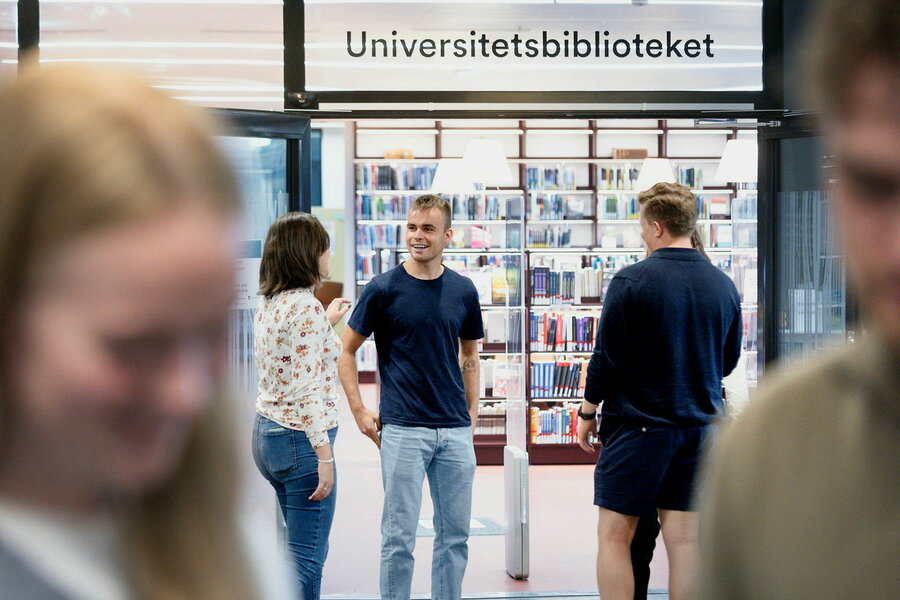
x=9 y=46
x=811 y=277
x=262 y=168
x=516 y=402
x=214 y=54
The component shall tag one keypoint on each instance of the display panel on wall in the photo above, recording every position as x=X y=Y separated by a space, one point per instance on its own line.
x=534 y=46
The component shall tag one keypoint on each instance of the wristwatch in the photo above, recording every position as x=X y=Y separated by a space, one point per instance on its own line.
x=586 y=416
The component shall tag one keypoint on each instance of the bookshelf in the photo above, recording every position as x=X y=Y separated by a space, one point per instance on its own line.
x=578 y=228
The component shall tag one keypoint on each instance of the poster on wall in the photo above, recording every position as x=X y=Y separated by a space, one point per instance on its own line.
x=536 y=46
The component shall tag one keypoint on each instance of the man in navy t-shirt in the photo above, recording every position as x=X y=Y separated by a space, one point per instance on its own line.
x=426 y=321
x=669 y=332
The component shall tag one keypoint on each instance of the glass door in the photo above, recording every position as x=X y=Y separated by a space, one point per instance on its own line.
x=806 y=308
x=266 y=151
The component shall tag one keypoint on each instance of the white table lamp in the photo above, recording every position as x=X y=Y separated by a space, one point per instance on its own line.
x=452 y=177
x=486 y=162
x=738 y=162
x=653 y=171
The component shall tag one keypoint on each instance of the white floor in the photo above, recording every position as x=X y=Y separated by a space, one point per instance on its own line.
x=563 y=526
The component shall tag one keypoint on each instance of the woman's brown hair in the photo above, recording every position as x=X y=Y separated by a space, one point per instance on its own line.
x=82 y=149
x=290 y=257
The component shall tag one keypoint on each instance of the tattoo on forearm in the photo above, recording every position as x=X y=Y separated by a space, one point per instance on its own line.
x=469 y=366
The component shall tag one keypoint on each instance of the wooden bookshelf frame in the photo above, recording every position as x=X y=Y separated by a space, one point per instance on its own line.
x=489 y=448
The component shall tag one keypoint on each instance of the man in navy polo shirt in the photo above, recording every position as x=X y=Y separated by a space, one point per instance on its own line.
x=426 y=320
x=670 y=330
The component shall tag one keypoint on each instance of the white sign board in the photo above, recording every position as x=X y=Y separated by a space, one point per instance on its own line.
x=533 y=46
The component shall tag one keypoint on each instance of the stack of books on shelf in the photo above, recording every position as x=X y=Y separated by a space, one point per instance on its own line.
x=475 y=207
x=565 y=284
x=556 y=236
x=617 y=178
x=557 y=207
x=394 y=177
x=491 y=419
x=559 y=378
x=713 y=207
x=373 y=262
x=497 y=378
x=617 y=207
x=556 y=425
x=375 y=206
x=562 y=331
x=691 y=177
x=377 y=237
x=550 y=178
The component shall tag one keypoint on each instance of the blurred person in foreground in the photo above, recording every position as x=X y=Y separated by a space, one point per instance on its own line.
x=803 y=492
x=117 y=258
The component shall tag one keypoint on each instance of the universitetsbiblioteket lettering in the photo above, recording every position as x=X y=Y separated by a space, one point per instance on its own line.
x=571 y=44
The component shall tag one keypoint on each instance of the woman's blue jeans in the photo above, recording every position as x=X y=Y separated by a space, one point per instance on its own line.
x=287 y=460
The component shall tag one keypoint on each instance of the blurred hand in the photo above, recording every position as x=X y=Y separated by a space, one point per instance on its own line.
x=369 y=424
x=585 y=428
x=336 y=310
x=326 y=482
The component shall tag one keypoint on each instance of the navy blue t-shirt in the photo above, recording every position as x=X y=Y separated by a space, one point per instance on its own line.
x=417 y=325
x=669 y=331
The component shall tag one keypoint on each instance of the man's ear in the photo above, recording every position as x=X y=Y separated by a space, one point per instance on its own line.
x=658 y=229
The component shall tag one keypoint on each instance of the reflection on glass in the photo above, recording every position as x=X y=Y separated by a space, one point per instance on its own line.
x=9 y=16
x=261 y=165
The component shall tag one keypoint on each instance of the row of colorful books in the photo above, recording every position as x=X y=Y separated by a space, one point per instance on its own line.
x=490 y=208
x=691 y=177
x=557 y=425
x=376 y=237
x=370 y=264
x=557 y=236
x=560 y=378
x=556 y=206
x=381 y=206
x=570 y=285
x=491 y=419
x=562 y=332
x=617 y=178
x=550 y=178
x=391 y=177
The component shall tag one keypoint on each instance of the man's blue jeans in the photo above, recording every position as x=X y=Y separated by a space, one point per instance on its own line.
x=447 y=457
x=287 y=460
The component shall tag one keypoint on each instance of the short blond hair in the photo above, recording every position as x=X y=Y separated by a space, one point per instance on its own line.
x=429 y=201
x=672 y=205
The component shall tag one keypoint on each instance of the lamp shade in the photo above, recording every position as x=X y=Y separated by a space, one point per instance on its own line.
x=738 y=162
x=486 y=162
x=653 y=171
x=452 y=177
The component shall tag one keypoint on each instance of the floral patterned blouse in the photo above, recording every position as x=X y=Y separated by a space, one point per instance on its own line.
x=297 y=354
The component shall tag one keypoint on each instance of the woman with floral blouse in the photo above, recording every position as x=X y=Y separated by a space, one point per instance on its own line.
x=297 y=353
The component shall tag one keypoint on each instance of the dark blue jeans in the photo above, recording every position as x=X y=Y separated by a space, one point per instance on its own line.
x=287 y=460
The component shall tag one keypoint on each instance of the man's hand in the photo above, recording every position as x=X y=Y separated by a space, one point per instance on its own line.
x=585 y=428
x=369 y=424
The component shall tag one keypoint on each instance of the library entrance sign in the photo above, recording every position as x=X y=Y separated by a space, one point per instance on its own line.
x=533 y=47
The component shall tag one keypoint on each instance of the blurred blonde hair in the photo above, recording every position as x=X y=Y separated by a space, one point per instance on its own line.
x=82 y=149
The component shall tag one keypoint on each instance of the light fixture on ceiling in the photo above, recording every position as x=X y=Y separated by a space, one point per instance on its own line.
x=653 y=171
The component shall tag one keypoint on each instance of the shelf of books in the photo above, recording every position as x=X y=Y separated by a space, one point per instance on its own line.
x=579 y=227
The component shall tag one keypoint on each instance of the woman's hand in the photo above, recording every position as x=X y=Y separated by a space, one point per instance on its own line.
x=326 y=481
x=336 y=310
